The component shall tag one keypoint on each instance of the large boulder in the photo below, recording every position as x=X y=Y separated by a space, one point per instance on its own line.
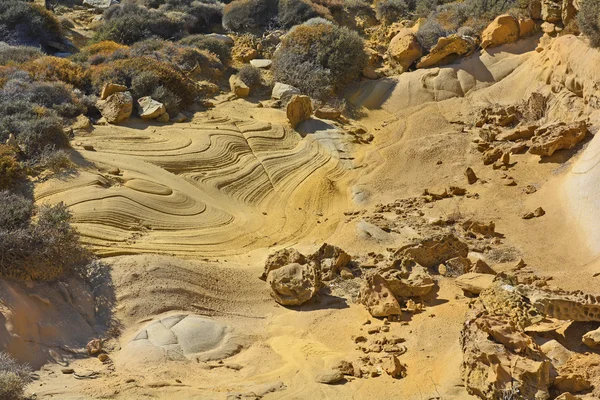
x=404 y=49
x=117 y=107
x=283 y=91
x=504 y=29
x=238 y=87
x=551 y=138
x=150 y=108
x=377 y=297
x=299 y=109
x=447 y=50
x=293 y=284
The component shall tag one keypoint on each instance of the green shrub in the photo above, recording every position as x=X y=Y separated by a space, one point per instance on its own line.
x=336 y=53
x=589 y=21
x=25 y=23
x=429 y=33
x=211 y=44
x=389 y=11
x=199 y=15
x=294 y=12
x=130 y=23
x=249 y=15
x=250 y=75
x=43 y=250
x=16 y=213
x=18 y=54
x=13 y=378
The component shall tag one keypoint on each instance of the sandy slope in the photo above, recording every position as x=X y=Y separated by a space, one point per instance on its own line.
x=227 y=190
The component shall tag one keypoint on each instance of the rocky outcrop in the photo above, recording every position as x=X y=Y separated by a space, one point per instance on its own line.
x=574 y=306
x=238 y=87
x=377 y=297
x=117 y=107
x=548 y=139
x=447 y=50
x=592 y=339
x=408 y=279
x=330 y=260
x=299 y=109
x=474 y=283
x=293 y=284
x=404 y=50
x=150 y=108
x=435 y=250
x=504 y=29
x=281 y=258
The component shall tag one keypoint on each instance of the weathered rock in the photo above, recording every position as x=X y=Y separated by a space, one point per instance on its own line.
x=535 y=9
x=369 y=72
x=474 y=283
x=552 y=10
x=404 y=50
x=415 y=282
x=327 y=113
x=81 y=123
x=164 y=118
x=393 y=367
x=345 y=367
x=345 y=273
x=520 y=132
x=567 y=396
x=575 y=306
x=94 y=347
x=329 y=377
x=223 y=38
x=238 y=87
x=99 y=4
x=435 y=250
x=261 y=63
x=569 y=11
x=299 y=109
x=504 y=29
x=378 y=298
x=282 y=91
x=526 y=27
x=456 y=266
x=293 y=284
x=550 y=138
x=281 y=258
x=471 y=177
x=111 y=88
x=117 y=107
x=330 y=260
x=492 y=155
x=150 y=108
x=592 y=339
x=179 y=118
x=572 y=383
x=447 y=50
x=247 y=54
x=481 y=267
x=480 y=228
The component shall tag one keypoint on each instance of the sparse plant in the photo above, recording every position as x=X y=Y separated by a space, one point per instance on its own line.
x=389 y=11
x=429 y=33
x=294 y=12
x=250 y=75
x=13 y=377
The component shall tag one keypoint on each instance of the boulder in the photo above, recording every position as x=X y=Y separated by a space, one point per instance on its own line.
x=111 y=88
x=393 y=367
x=223 y=38
x=329 y=377
x=238 y=87
x=327 y=113
x=150 y=109
x=447 y=50
x=330 y=260
x=378 y=298
x=526 y=27
x=572 y=383
x=552 y=11
x=282 y=258
x=100 y=4
x=261 y=63
x=116 y=108
x=592 y=339
x=404 y=49
x=282 y=91
x=293 y=284
x=415 y=283
x=81 y=123
x=504 y=29
x=435 y=250
x=474 y=283
x=553 y=137
x=299 y=109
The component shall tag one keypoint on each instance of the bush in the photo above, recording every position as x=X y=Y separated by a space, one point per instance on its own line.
x=294 y=12
x=13 y=378
x=53 y=159
x=18 y=54
x=200 y=15
x=16 y=213
x=390 y=11
x=336 y=54
x=250 y=75
x=130 y=23
x=589 y=21
x=50 y=68
x=25 y=23
x=249 y=15
x=44 y=250
x=10 y=169
x=429 y=33
x=213 y=45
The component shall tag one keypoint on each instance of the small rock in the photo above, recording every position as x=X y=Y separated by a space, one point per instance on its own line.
x=373 y=330
x=539 y=212
x=393 y=367
x=179 y=118
x=238 y=87
x=164 y=118
x=471 y=177
x=67 y=371
x=103 y=357
x=88 y=147
x=283 y=91
x=592 y=339
x=114 y=171
x=94 y=347
x=299 y=109
x=261 y=63
x=150 y=108
x=327 y=113
x=345 y=273
x=346 y=368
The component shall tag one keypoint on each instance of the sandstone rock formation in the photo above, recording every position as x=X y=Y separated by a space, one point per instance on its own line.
x=282 y=91
x=150 y=108
x=111 y=88
x=575 y=306
x=261 y=63
x=474 y=283
x=447 y=50
x=407 y=279
x=330 y=260
x=592 y=339
x=238 y=87
x=504 y=29
x=293 y=284
x=404 y=49
x=299 y=109
x=548 y=139
x=435 y=250
x=117 y=107
x=282 y=258
x=378 y=298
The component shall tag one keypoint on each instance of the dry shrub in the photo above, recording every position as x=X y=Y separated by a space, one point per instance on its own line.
x=11 y=55
x=249 y=15
x=250 y=75
x=50 y=68
x=13 y=377
x=10 y=169
x=294 y=12
x=105 y=48
x=210 y=44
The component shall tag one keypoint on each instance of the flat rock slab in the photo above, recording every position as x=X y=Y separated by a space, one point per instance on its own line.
x=474 y=283
x=261 y=63
x=178 y=338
